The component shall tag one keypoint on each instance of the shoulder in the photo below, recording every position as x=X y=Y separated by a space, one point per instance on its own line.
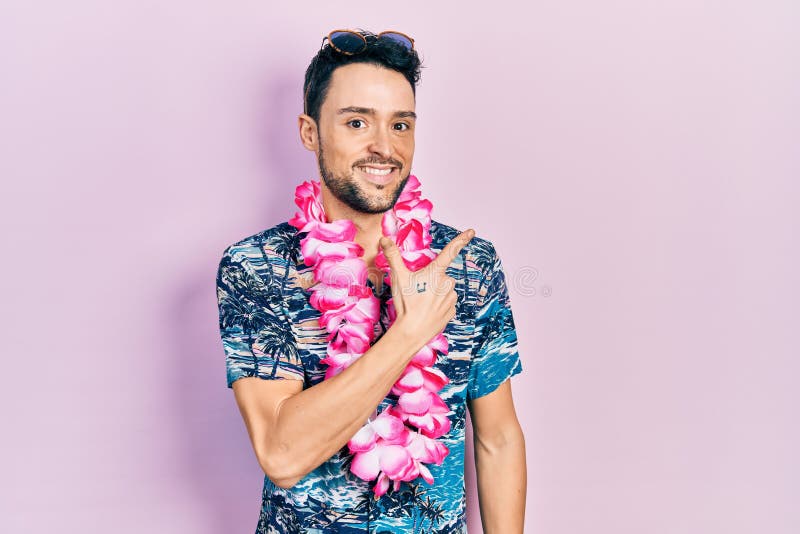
x=479 y=253
x=264 y=250
x=279 y=238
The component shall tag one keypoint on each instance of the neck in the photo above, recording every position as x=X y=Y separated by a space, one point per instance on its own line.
x=368 y=225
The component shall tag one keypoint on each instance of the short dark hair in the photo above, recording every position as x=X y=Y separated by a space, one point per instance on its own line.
x=382 y=52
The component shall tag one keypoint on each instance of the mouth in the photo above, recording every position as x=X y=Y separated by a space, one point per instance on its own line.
x=378 y=174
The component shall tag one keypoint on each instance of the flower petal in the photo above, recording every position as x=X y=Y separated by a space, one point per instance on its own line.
x=364 y=439
x=381 y=485
x=388 y=426
x=411 y=380
x=416 y=402
x=365 y=465
x=394 y=460
x=425 y=473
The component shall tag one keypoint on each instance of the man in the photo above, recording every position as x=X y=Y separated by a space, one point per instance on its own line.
x=360 y=120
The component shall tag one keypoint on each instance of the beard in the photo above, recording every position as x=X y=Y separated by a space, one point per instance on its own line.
x=347 y=189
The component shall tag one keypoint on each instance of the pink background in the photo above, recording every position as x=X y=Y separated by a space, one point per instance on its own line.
x=635 y=163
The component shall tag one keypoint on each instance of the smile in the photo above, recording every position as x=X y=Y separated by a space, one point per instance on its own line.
x=376 y=171
x=379 y=176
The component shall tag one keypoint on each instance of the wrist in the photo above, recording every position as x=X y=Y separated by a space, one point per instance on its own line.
x=403 y=338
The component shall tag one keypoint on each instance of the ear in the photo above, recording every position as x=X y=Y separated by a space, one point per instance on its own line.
x=309 y=135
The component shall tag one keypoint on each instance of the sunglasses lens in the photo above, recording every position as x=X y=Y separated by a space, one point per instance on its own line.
x=347 y=42
x=398 y=38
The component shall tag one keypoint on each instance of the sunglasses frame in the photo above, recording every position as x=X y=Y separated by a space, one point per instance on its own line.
x=364 y=39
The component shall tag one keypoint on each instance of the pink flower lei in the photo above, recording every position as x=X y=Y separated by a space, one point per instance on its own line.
x=398 y=443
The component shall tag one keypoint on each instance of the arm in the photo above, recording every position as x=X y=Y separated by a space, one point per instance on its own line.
x=499 y=461
x=293 y=431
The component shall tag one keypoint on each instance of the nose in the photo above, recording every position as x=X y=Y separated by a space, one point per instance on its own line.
x=381 y=144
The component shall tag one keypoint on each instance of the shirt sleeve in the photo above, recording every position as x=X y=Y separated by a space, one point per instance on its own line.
x=494 y=356
x=256 y=334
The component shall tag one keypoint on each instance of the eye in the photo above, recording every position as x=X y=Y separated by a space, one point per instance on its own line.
x=356 y=122
x=403 y=126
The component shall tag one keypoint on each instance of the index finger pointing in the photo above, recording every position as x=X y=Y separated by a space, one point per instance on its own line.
x=451 y=250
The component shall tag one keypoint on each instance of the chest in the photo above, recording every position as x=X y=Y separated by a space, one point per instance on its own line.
x=311 y=338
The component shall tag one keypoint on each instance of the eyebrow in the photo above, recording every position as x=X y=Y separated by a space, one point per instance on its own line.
x=371 y=111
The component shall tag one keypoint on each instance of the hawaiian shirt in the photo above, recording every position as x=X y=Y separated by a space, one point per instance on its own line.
x=269 y=330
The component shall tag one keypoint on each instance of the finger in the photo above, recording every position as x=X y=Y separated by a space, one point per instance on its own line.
x=451 y=250
x=392 y=254
x=396 y=270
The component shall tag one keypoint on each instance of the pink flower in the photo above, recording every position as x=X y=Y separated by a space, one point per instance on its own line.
x=434 y=422
x=379 y=448
x=438 y=342
x=357 y=339
x=417 y=259
x=397 y=444
x=354 y=310
x=411 y=190
x=390 y=311
x=414 y=377
x=417 y=402
x=311 y=211
x=342 y=273
x=338 y=359
x=425 y=449
x=413 y=259
x=364 y=309
x=326 y=298
x=387 y=426
x=426 y=356
x=390 y=223
x=398 y=467
x=336 y=231
x=409 y=237
x=315 y=249
x=419 y=211
x=385 y=461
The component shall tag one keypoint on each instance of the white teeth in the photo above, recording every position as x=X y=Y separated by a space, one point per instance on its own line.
x=379 y=172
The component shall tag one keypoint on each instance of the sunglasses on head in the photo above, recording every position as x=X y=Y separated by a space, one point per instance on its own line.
x=350 y=42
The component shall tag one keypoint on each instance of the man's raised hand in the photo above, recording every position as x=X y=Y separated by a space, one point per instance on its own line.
x=424 y=300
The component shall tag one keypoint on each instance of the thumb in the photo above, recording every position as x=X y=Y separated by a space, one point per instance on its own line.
x=392 y=254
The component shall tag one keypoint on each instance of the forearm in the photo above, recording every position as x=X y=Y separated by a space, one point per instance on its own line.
x=502 y=483
x=315 y=423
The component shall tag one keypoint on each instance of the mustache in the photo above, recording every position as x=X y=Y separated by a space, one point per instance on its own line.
x=374 y=161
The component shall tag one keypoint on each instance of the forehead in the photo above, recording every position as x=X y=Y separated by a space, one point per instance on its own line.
x=370 y=86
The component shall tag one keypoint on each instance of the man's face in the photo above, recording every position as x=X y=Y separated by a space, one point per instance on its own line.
x=366 y=136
